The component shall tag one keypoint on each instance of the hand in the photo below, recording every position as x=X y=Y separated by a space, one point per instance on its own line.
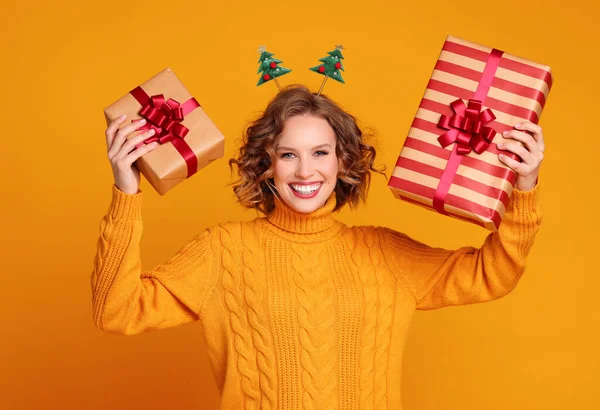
x=532 y=153
x=122 y=154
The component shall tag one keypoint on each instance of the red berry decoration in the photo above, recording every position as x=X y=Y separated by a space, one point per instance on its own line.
x=269 y=68
x=331 y=66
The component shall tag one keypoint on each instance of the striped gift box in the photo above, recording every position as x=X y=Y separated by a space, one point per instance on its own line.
x=449 y=161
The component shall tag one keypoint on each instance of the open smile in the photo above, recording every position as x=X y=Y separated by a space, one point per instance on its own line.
x=306 y=190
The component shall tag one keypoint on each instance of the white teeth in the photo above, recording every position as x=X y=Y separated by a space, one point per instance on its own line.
x=305 y=189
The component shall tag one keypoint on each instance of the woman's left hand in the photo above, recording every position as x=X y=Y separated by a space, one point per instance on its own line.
x=532 y=153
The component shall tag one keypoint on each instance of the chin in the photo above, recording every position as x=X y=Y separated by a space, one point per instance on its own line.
x=305 y=208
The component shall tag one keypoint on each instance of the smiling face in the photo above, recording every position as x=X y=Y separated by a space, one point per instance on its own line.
x=306 y=164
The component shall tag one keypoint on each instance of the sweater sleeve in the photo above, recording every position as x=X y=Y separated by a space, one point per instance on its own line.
x=440 y=277
x=128 y=300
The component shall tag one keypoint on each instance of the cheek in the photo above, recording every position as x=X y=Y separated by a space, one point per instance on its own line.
x=333 y=166
x=280 y=170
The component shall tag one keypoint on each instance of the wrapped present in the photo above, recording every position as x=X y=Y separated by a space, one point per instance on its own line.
x=188 y=139
x=449 y=161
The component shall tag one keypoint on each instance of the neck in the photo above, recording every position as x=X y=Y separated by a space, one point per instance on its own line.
x=288 y=219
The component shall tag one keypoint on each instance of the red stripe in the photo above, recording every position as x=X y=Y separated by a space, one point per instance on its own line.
x=452 y=200
x=465 y=51
x=459 y=180
x=527 y=70
x=412 y=201
x=445 y=109
x=435 y=106
x=521 y=90
x=511 y=65
x=433 y=128
x=492 y=103
x=437 y=151
x=505 y=85
x=455 y=69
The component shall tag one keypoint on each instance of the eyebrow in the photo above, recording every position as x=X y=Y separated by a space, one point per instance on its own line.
x=317 y=147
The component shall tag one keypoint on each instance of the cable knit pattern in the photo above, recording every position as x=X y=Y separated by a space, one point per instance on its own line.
x=316 y=316
x=385 y=287
x=378 y=287
x=366 y=273
x=298 y=310
x=349 y=321
x=282 y=315
x=103 y=253
x=251 y=242
x=246 y=357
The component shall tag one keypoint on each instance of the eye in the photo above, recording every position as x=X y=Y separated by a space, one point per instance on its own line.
x=286 y=155
x=321 y=153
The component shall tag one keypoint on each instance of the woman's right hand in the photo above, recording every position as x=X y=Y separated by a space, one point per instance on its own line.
x=122 y=153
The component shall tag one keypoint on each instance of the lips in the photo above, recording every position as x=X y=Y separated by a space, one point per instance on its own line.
x=306 y=189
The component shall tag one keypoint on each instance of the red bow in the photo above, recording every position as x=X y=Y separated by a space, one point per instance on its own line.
x=467 y=127
x=164 y=118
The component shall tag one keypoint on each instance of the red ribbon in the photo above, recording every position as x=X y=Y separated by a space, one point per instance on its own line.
x=165 y=118
x=467 y=128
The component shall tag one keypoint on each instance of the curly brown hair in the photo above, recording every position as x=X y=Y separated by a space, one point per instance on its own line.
x=255 y=189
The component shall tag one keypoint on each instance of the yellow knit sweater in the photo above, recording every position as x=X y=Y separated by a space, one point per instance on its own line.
x=300 y=311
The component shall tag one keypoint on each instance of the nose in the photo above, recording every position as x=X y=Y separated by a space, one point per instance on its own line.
x=304 y=169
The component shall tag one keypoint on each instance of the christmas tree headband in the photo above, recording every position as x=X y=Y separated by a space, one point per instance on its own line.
x=270 y=69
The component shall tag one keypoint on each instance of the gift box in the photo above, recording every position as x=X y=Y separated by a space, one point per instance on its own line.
x=449 y=161
x=188 y=139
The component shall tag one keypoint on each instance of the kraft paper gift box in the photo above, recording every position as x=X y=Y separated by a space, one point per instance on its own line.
x=188 y=139
x=449 y=161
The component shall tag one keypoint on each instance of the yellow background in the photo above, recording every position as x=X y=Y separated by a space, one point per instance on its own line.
x=63 y=62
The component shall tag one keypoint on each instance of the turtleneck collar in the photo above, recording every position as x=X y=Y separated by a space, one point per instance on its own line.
x=285 y=217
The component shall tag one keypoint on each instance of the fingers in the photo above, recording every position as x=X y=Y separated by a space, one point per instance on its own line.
x=122 y=135
x=112 y=129
x=132 y=142
x=525 y=155
x=518 y=167
x=528 y=141
x=126 y=161
x=130 y=145
x=536 y=132
x=531 y=153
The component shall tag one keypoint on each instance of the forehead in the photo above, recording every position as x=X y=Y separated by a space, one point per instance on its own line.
x=306 y=131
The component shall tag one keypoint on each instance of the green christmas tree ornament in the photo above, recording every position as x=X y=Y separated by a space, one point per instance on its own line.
x=331 y=66
x=269 y=67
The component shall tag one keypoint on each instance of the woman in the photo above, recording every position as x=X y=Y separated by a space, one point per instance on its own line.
x=299 y=310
